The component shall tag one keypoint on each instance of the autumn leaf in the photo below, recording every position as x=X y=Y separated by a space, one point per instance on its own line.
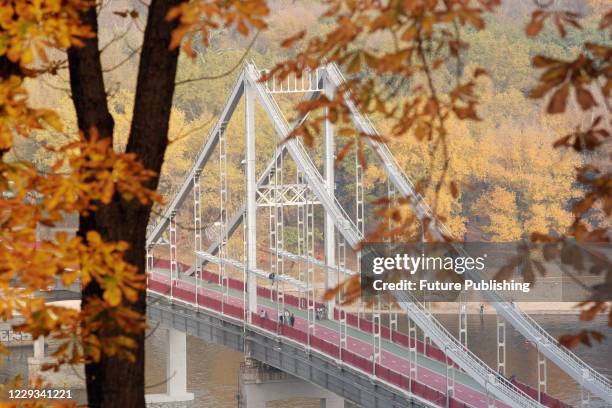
x=290 y=41
x=454 y=189
x=112 y=295
x=536 y=24
x=558 y=101
x=585 y=98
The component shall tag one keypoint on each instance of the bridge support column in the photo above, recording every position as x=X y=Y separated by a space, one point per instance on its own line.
x=260 y=384
x=65 y=377
x=35 y=363
x=176 y=370
x=39 y=347
x=251 y=199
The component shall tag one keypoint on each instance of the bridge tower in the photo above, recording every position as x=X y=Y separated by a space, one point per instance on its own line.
x=330 y=183
x=251 y=198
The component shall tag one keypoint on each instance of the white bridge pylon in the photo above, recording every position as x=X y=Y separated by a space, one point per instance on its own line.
x=311 y=189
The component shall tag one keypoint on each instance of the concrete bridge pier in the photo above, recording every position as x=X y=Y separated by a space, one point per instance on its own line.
x=260 y=384
x=176 y=370
x=39 y=348
x=36 y=362
x=39 y=359
x=65 y=377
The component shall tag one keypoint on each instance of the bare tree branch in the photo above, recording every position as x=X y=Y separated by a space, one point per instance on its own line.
x=226 y=73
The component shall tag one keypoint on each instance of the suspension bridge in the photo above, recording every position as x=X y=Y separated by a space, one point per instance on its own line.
x=237 y=297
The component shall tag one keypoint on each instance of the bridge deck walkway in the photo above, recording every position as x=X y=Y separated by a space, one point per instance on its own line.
x=393 y=356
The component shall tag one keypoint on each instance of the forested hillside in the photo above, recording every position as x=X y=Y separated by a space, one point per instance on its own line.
x=512 y=179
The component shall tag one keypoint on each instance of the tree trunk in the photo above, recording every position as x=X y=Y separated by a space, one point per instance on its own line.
x=8 y=68
x=115 y=382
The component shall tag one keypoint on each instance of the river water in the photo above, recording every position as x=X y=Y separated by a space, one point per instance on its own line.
x=213 y=370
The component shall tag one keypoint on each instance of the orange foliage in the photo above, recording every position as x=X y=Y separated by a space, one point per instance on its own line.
x=88 y=175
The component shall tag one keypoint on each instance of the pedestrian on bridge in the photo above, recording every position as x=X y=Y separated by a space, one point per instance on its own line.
x=292 y=320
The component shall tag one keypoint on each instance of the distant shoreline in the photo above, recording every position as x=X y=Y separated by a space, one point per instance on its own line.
x=473 y=308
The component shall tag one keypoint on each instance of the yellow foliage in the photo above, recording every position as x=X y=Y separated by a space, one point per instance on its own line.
x=27 y=28
x=97 y=174
x=17 y=116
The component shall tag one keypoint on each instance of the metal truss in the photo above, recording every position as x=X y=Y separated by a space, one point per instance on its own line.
x=270 y=195
x=329 y=171
x=201 y=159
x=300 y=157
x=238 y=216
x=469 y=362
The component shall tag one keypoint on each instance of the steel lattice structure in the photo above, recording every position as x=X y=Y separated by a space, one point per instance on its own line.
x=311 y=190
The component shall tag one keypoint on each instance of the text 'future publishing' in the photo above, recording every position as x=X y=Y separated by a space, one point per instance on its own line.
x=504 y=285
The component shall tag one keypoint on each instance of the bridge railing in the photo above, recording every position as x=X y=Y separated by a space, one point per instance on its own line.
x=161 y=285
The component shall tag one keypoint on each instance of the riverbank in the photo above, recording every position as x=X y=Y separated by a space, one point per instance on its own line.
x=539 y=308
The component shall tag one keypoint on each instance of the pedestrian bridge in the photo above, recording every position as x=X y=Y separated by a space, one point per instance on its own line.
x=219 y=295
